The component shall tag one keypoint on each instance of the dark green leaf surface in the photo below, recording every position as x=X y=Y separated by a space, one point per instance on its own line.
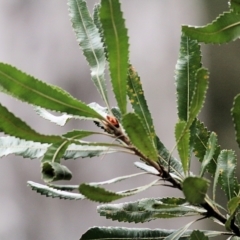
x=98 y=194
x=118 y=233
x=14 y=126
x=200 y=146
x=165 y=158
x=54 y=193
x=197 y=235
x=138 y=101
x=233 y=206
x=138 y=135
x=116 y=40
x=188 y=63
x=147 y=209
x=224 y=29
x=28 y=89
x=236 y=117
x=90 y=42
x=78 y=134
x=226 y=170
x=183 y=138
x=195 y=189
x=53 y=171
x=211 y=147
x=199 y=95
x=235 y=5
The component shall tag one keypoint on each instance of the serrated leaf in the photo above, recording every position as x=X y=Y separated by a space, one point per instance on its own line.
x=78 y=134
x=116 y=40
x=199 y=95
x=235 y=5
x=166 y=159
x=28 y=89
x=90 y=42
x=146 y=210
x=188 y=63
x=182 y=136
x=195 y=189
x=233 y=206
x=55 y=151
x=98 y=194
x=200 y=146
x=179 y=233
x=138 y=136
x=197 y=235
x=236 y=117
x=211 y=147
x=29 y=149
x=225 y=173
x=59 y=120
x=53 y=171
x=138 y=101
x=68 y=188
x=119 y=233
x=54 y=193
x=225 y=28
x=14 y=126
x=98 y=24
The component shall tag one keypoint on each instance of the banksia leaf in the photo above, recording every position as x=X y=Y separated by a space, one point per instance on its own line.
x=188 y=63
x=224 y=29
x=90 y=42
x=138 y=102
x=116 y=41
x=28 y=89
x=137 y=134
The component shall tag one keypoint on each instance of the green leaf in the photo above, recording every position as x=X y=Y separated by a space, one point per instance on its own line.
x=235 y=5
x=54 y=193
x=225 y=28
x=119 y=233
x=138 y=135
x=146 y=210
x=78 y=134
x=53 y=171
x=165 y=158
x=138 y=101
x=14 y=126
x=236 y=117
x=211 y=147
x=188 y=63
x=199 y=95
x=195 y=189
x=197 y=235
x=55 y=151
x=28 y=89
x=29 y=149
x=90 y=42
x=201 y=146
x=179 y=233
x=98 y=24
x=225 y=173
x=183 y=138
x=116 y=40
x=233 y=206
x=94 y=193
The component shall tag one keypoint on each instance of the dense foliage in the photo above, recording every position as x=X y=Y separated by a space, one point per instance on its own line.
x=104 y=42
